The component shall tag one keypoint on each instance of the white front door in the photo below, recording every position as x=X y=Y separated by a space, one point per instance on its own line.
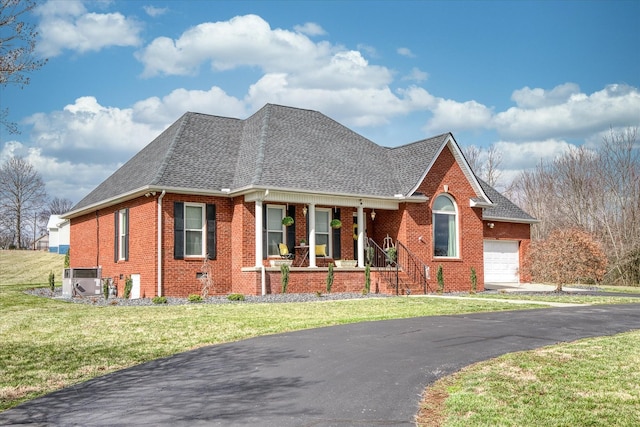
x=501 y=261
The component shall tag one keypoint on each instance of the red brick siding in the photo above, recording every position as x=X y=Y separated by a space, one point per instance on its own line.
x=92 y=244
x=179 y=275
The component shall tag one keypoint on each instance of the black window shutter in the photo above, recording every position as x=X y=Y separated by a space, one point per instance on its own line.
x=291 y=230
x=116 y=236
x=265 y=236
x=211 y=231
x=125 y=249
x=178 y=230
x=336 y=237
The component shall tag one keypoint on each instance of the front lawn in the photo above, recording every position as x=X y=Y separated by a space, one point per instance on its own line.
x=49 y=344
x=590 y=382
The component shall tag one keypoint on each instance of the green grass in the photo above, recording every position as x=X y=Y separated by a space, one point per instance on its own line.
x=571 y=299
x=591 y=382
x=29 y=267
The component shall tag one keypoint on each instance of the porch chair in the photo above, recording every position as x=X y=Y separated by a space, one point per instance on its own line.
x=284 y=251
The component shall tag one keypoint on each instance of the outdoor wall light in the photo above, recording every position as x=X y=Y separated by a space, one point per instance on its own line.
x=373 y=215
x=490 y=225
x=304 y=210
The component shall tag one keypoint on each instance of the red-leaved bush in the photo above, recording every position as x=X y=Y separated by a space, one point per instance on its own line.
x=566 y=256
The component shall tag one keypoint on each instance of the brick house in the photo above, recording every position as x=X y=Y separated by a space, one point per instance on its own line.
x=213 y=191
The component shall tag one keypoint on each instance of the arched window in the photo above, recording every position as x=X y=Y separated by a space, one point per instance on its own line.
x=445 y=227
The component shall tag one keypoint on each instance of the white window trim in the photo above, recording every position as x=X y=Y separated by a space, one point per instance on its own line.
x=122 y=234
x=282 y=229
x=203 y=230
x=329 y=234
x=457 y=220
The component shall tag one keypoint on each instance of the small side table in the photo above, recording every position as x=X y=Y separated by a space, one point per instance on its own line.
x=303 y=250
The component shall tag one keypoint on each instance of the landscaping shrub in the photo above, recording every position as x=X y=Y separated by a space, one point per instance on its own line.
x=284 y=269
x=474 y=280
x=440 y=278
x=566 y=256
x=128 y=284
x=159 y=300
x=52 y=281
x=235 y=297
x=195 y=298
x=329 y=277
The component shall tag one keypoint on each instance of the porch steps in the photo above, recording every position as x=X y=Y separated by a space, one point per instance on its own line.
x=406 y=285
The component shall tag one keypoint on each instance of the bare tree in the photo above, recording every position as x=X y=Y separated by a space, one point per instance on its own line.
x=484 y=163
x=22 y=197
x=596 y=190
x=491 y=170
x=17 y=45
x=473 y=155
x=58 y=206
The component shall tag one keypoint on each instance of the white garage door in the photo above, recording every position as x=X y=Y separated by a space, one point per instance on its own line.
x=501 y=261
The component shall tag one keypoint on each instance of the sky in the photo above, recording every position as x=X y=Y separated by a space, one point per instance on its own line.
x=532 y=78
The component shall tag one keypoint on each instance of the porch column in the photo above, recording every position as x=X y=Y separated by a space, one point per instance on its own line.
x=361 y=227
x=312 y=236
x=258 y=233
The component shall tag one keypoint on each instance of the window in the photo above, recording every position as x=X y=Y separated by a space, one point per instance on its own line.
x=121 y=235
x=445 y=227
x=194 y=230
x=275 y=229
x=123 y=227
x=323 y=217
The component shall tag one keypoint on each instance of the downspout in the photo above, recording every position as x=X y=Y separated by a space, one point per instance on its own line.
x=159 y=227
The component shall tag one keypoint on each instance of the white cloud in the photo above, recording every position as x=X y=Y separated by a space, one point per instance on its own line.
x=449 y=115
x=155 y=11
x=527 y=98
x=242 y=41
x=68 y=25
x=310 y=29
x=161 y=112
x=416 y=75
x=526 y=155
x=578 y=116
x=63 y=178
x=405 y=51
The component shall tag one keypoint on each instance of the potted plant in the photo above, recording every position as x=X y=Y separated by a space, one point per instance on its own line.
x=392 y=254
x=303 y=242
x=287 y=221
x=335 y=223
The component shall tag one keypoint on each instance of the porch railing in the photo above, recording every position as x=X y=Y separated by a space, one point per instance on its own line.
x=412 y=266
x=404 y=260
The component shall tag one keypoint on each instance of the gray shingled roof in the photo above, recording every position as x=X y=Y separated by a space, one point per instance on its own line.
x=277 y=147
x=503 y=208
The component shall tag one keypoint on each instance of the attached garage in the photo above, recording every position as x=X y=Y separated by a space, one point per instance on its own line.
x=501 y=261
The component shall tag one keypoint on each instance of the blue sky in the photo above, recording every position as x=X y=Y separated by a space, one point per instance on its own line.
x=532 y=78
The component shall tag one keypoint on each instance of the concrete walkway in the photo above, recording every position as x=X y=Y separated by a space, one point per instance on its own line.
x=365 y=374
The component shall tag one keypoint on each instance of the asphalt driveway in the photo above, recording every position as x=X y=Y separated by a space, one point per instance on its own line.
x=366 y=374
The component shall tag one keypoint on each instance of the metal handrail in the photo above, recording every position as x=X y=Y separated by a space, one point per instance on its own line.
x=405 y=260
x=412 y=265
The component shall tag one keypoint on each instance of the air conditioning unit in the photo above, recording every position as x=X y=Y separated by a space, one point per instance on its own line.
x=81 y=282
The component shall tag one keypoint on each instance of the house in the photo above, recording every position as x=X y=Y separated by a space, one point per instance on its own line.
x=59 y=234
x=208 y=196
